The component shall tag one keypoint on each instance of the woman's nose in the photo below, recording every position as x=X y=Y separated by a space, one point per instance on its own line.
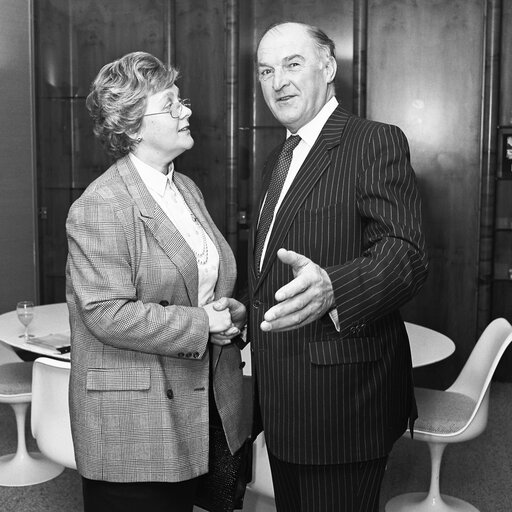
x=185 y=112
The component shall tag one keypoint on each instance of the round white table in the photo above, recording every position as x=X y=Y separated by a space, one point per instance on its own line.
x=50 y=325
x=427 y=346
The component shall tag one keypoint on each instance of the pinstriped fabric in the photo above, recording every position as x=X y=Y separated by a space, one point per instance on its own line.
x=354 y=209
x=348 y=487
x=140 y=371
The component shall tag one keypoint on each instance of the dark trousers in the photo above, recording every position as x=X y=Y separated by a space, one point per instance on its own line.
x=353 y=487
x=101 y=496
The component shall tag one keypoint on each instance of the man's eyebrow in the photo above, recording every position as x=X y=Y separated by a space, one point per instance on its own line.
x=290 y=58
x=294 y=57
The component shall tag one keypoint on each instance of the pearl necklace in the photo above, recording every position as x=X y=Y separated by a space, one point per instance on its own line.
x=202 y=256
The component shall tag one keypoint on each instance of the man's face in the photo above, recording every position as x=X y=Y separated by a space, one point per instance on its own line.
x=294 y=75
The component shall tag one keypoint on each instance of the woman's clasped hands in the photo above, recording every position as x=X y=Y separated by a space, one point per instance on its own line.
x=226 y=317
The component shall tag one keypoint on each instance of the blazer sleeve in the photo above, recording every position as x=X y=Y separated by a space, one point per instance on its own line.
x=393 y=263
x=101 y=272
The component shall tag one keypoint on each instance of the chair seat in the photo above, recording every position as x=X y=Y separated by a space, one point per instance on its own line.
x=16 y=378
x=442 y=412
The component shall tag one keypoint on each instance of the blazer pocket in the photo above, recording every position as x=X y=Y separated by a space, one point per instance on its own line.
x=118 y=379
x=345 y=351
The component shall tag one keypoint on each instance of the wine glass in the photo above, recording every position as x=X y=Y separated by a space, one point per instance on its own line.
x=25 y=312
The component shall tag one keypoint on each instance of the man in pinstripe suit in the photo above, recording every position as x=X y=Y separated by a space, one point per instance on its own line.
x=343 y=253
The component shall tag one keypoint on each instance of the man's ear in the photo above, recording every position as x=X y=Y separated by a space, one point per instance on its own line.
x=331 y=67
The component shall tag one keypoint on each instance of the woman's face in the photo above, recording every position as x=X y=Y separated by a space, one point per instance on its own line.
x=163 y=137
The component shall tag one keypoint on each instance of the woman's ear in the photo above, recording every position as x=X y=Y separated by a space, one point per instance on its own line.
x=136 y=137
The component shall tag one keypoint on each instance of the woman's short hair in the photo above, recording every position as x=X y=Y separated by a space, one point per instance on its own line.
x=118 y=98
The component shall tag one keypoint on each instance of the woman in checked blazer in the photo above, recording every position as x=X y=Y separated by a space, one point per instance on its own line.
x=148 y=276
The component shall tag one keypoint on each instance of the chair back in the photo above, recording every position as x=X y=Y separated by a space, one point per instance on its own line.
x=50 y=422
x=475 y=377
x=477 y=373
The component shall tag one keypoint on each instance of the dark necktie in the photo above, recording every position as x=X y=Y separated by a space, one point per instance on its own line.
x=274 y=191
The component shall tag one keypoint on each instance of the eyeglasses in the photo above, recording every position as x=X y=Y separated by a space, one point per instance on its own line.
x=175 y=109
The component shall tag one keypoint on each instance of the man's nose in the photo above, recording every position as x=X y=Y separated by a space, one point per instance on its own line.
x=280 y=78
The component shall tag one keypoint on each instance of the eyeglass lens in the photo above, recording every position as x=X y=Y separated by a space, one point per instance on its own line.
x=177 y=107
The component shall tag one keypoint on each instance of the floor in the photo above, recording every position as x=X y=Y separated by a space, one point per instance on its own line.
x=479 y=471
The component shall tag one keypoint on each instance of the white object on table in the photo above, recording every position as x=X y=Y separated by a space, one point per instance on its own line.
x=50 y=319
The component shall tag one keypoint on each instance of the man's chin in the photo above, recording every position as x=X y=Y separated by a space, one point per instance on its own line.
x=285 y=116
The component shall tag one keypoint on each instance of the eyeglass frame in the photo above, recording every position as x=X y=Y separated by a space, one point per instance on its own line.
x=179 y=105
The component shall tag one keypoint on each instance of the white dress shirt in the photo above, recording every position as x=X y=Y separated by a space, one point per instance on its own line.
x=169 y=198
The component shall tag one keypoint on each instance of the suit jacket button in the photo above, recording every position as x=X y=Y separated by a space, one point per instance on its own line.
x=189 y=354
x=170 y=394
x=164 y=303
x=196 y=354
x=241 y=365
x=181 y=354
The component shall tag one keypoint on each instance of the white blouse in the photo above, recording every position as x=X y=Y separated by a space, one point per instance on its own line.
x=169 y=198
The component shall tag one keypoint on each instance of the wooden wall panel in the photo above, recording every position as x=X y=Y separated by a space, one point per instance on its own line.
x=506 y=65
x=74 y=39
x=425 y=75
x=259 y=131
x=200 y=54
x=17 y=155
x=335 y=17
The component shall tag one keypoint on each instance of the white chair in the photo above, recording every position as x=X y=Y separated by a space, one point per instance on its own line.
x=50 y=421
x=457 y=414
x=261 y=482
x=22 y=467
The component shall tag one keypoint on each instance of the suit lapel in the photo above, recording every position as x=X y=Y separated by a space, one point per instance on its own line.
x=164 y=231
x=312 y=169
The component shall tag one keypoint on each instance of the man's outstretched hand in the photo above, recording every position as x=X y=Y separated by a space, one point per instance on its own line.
x=304 y=299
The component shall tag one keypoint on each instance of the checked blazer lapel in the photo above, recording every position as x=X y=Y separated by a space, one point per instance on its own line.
x=314 y=166
x=164 y=231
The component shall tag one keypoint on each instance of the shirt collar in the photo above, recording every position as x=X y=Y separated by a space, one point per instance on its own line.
x=310 y=131
x=153 y=179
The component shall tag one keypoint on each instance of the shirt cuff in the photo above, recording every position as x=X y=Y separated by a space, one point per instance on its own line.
x=334 y=317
